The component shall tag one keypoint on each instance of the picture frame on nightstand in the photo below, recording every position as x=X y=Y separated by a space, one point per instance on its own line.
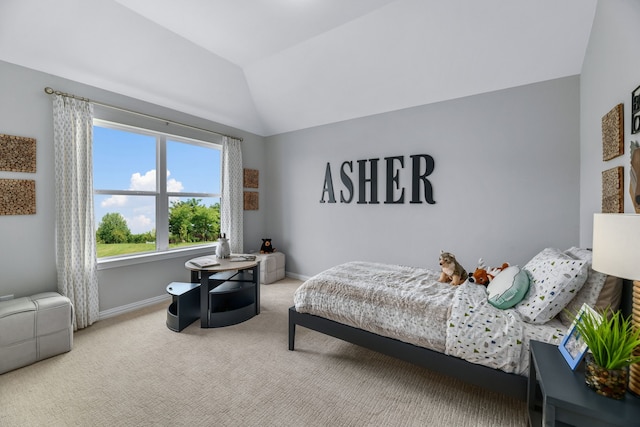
x=573 y=347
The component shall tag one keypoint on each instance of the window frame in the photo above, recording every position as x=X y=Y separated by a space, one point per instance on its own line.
x=161 y=195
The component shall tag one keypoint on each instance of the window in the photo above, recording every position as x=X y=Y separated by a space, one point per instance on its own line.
x=153 y=191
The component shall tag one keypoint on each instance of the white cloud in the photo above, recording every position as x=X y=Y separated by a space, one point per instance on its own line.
x=139 y=224
x=145 y=209
x=174 y=186
x=139 y=182
x=139 y=212
x=117 y=200
x=146 y=182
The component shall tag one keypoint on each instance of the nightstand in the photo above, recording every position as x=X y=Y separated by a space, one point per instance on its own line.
x=560 y=397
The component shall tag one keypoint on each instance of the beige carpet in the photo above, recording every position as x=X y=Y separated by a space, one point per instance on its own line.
x=133 y=371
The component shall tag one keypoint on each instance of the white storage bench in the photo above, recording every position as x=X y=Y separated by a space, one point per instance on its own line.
x=34 y=328
x=271 y=267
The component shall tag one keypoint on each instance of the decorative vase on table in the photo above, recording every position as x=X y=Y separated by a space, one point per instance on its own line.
x=606 y=382
x=223 y=250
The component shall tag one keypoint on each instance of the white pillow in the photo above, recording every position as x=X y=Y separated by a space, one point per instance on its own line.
x=590 y=290
x=508 y=287
x=555 y=279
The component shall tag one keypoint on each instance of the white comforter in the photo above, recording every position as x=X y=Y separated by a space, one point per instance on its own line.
x=409 y=304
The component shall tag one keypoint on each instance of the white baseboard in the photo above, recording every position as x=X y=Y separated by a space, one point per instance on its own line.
x=116 y=311
x=133 y=306
x=296 y=276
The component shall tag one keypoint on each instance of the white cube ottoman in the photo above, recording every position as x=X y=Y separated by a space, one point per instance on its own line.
x=34 y=328
x=271 y=267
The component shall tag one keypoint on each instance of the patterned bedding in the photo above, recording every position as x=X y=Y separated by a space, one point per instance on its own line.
x=480 y=333
x=409 y=304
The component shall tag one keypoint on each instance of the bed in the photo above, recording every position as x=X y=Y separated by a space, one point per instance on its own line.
x=406 y=313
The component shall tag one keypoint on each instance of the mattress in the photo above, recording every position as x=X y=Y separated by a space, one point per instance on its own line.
x=409 y=304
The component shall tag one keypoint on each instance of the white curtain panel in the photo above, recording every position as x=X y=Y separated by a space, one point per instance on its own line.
x=232 y=203
x=75 y=233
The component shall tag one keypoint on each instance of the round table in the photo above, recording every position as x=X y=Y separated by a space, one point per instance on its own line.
x=229 y=290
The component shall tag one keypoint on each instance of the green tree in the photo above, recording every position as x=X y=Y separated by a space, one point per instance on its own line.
x=113 y=229
x=148 y=237
x=206 y=223
x=180 y=221
x=190 y=221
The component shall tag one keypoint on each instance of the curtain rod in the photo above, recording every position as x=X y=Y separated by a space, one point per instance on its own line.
x=50 y=91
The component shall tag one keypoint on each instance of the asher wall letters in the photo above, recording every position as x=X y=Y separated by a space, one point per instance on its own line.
x=422 y=165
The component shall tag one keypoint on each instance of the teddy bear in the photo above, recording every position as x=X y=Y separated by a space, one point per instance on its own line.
x=266 y=247
x=452 y=271
x=483 y=275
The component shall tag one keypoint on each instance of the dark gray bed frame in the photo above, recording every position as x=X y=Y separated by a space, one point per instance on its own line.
x=488 y=378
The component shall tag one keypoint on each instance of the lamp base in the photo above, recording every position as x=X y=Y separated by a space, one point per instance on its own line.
x=634 y=370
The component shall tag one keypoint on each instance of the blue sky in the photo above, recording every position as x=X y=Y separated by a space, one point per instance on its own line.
x=125 y=160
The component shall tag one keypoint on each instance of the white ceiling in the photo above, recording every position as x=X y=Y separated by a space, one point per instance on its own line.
x=246 y=31
x=272 y=66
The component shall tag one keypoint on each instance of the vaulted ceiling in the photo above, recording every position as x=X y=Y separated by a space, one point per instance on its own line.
x=273 y=66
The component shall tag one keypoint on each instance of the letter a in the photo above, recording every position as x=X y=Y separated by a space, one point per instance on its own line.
x=328 y=186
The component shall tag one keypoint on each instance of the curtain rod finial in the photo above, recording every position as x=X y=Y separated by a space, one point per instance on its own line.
x=48 y=90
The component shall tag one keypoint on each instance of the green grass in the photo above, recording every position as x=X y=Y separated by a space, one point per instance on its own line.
x=115 y=249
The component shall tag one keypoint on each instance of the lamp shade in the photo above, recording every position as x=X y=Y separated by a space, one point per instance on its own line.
x=616 y=245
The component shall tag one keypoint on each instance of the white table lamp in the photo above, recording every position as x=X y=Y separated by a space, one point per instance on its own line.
x=616 y=252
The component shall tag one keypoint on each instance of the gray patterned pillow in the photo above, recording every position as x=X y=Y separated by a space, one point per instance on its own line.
x=555 y=279
x=591 y=288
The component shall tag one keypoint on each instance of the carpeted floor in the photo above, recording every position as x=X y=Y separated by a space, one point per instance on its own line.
x=133 y=371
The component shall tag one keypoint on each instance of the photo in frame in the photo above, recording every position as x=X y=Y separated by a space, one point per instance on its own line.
x=572 y=346
x=635 y=111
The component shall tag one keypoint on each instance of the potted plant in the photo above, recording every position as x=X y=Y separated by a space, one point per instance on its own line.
x=612 y=340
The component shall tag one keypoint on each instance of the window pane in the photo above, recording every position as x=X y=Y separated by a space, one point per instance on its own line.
x=123 y=160
x=124 y=224
x=192 y=168
x=127 y=161
x=193 y=221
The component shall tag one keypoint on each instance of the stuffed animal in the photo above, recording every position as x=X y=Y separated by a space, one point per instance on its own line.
x=222 y=249
x=483 y=275
x=480 y=276
x=452 y=271
x=266 y=247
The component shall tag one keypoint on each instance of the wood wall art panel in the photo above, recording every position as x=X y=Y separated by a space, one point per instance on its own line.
x=17 y=153
x=612 y=193
x=251 y=178
x=613 y=133
x=251 y=201
x=17 y=197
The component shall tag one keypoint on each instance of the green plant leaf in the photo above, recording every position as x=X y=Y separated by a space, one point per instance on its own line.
x=612 y=340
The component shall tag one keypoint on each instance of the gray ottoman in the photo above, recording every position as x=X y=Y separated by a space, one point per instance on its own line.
x=34 y=328
x=272 y=267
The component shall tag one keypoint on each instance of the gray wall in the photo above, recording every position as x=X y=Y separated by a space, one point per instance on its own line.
x=27 y=243
x=610 y=73
x=511 y=175
x=505 y=182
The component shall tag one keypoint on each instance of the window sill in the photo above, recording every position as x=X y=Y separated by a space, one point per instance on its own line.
x=123 y=261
